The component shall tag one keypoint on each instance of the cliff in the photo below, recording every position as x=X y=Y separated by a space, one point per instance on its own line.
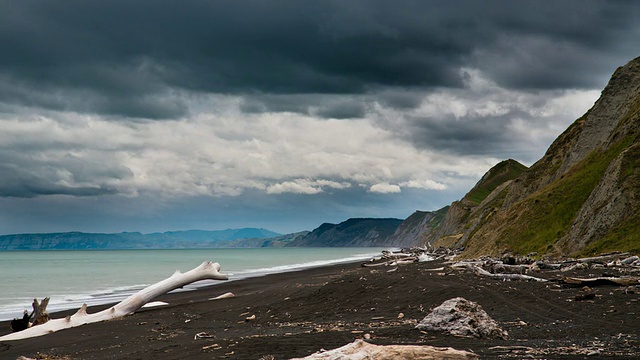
x=350 y=233
x=580 y=198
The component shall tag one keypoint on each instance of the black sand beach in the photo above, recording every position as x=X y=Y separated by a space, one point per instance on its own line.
x=299 y=313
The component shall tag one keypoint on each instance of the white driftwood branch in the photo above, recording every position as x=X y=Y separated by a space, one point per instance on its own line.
x=622 y=281
x=483 y=272
x=603 y=258
x=206 y=271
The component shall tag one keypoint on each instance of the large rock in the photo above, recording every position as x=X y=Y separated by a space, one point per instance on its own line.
x=461 y=317
x=361 y=350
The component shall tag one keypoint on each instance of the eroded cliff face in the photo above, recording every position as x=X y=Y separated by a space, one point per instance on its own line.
x=581 y=197
x=417 y=227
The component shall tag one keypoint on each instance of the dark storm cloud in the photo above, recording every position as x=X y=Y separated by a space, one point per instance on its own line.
x=128 y=58
x=478 y=136
x=319 y=105
x=22 y=178
x=17 y=183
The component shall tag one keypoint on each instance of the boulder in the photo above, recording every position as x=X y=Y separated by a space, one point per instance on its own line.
x=461 y=317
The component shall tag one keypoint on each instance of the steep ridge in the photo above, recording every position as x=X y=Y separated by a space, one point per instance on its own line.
x=352 y=232
x=581 y=197
x=416 y=227
x=447 y=226
x=466 y=215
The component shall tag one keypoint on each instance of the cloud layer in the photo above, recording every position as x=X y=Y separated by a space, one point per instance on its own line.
x=208 y=114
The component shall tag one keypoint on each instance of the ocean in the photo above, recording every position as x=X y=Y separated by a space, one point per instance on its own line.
x=71 y=278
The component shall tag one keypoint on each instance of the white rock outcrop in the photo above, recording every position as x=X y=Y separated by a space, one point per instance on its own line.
x=461 y=317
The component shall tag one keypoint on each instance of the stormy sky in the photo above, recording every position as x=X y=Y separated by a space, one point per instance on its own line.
x=166 y=115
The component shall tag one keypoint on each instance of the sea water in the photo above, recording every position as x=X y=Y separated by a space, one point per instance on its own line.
x=71 y=278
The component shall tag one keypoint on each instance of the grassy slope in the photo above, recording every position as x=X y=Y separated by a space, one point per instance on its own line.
x=504 y=171
x=537 y=222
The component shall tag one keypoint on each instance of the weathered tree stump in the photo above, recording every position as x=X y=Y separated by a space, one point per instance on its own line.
x=40 y=315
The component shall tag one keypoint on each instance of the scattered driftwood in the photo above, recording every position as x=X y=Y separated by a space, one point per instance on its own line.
x=38 y=316
x=515 y=268
x=603 y=258
x=620 y=281
x=411 y=255
x=405 y=256
x=461 y=317
x=361 y=350
x=509 y=269
x=482 y=272
x=207 y=270
x=630 y=260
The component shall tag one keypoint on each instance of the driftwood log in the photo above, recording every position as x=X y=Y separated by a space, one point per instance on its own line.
x=482 y=272
x=361 y=350
x=206 y=271
x=603 y=258
x=620 y=281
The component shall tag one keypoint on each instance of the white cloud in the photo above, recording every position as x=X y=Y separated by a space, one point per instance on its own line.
x=423 y=184
x=221 y=151
x=385 y=188
x=293 y=187
x=305 y=186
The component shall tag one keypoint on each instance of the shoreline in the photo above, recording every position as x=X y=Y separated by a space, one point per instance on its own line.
x=298 y=313
x=117 y=291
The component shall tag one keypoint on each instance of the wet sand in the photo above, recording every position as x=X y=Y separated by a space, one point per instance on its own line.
x=299 y=313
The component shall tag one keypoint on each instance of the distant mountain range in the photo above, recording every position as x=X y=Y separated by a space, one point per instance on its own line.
x=133 y=240
x=352 y=232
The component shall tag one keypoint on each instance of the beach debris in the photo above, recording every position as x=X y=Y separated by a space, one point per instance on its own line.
x=226 y=295
x=604 y=280
x=202 y=335
x=206 y=271
x=461 y=317
x=38 y=316
x=22 y=323
x=482 y=272
x=361 y=350
x=587 y=294
x=511 y=267
x=605 y=258
x=212 y=346
x=154 y=304
x=404 y=256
